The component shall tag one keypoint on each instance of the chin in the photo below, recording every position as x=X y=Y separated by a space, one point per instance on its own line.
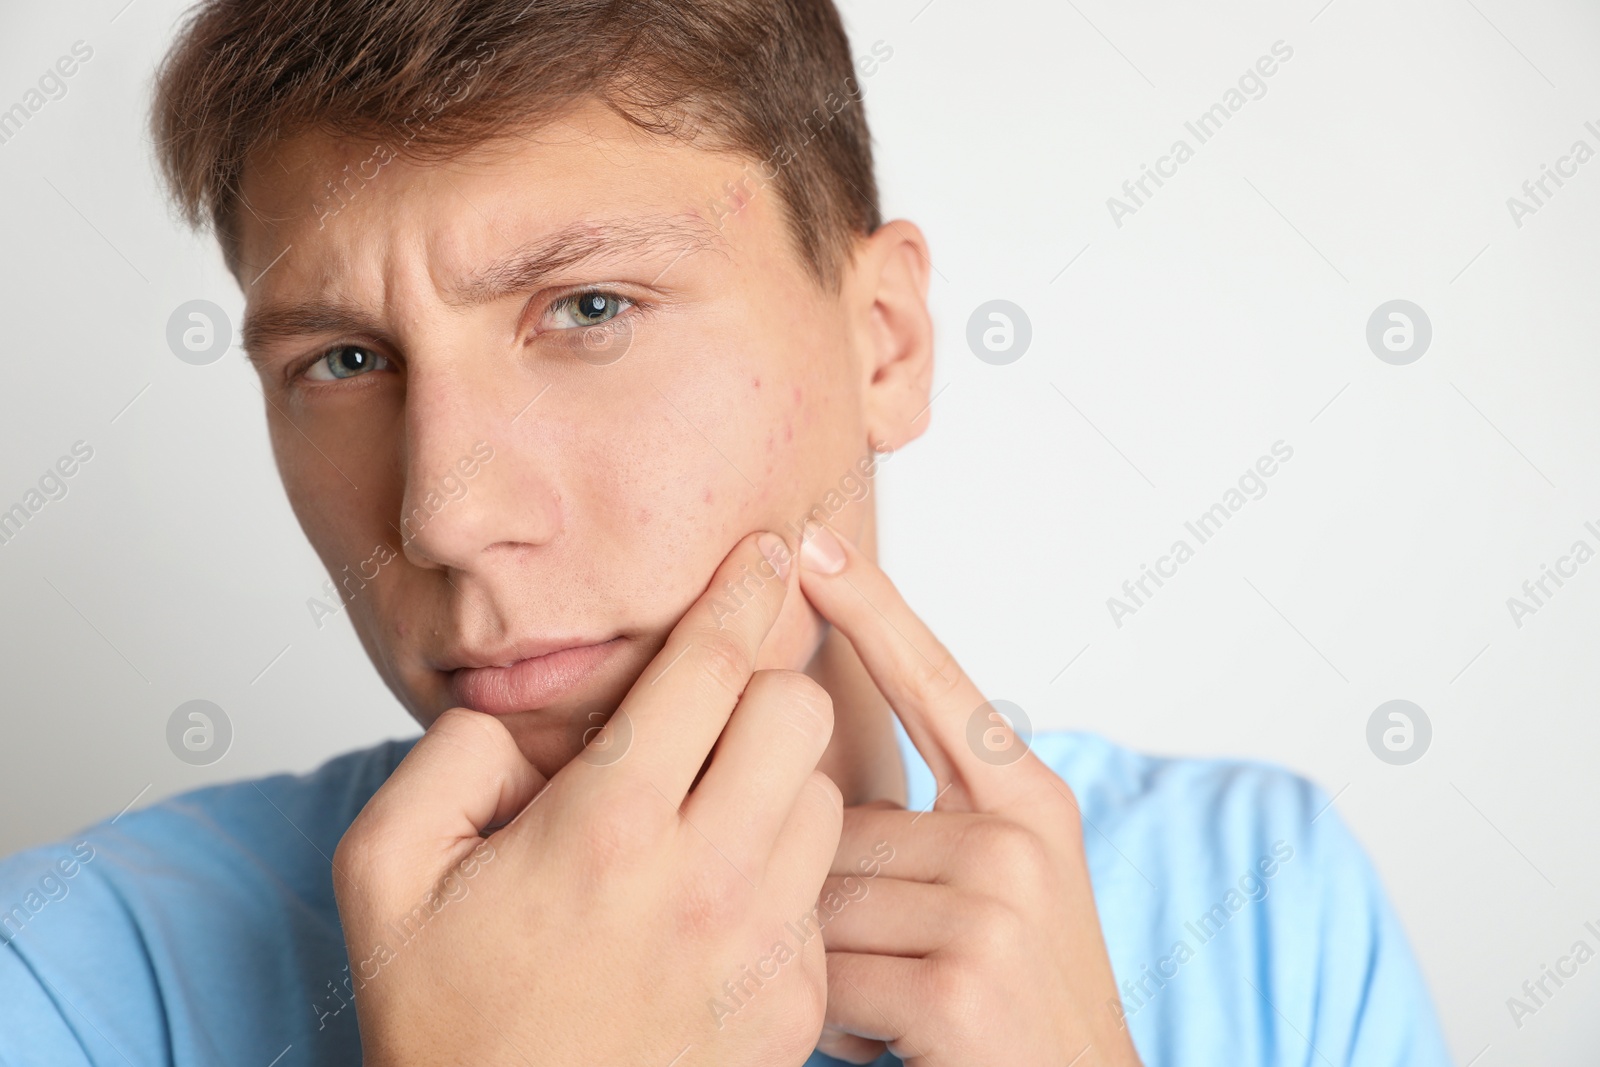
x=550 y=740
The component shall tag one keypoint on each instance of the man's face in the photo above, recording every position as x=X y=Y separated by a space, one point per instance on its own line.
x=524 y=402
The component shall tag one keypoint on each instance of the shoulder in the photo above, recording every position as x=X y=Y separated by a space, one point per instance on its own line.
x=114 y=940
x=1234 y=899
x=1198 y=816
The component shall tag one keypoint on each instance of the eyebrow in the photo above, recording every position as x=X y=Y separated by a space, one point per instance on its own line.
x=525 y=268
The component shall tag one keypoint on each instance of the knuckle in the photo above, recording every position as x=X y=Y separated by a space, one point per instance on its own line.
x=1000 y=928
x=618 y=836
x=931 y=670
x=1067 y=811
x=354 y=855
x=1002 y=846
x=954 y=996
x=808 y=1011
x=946 y=672
x=724 y=657
x=804 y=705
x=472 y=731
x=709 y=901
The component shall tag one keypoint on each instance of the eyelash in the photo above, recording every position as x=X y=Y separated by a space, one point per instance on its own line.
x=632 y=306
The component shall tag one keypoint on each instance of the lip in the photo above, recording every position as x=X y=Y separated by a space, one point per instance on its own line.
x=531 y=681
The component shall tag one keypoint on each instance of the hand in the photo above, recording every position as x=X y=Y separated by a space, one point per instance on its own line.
x=604 y=919
x=978 y=941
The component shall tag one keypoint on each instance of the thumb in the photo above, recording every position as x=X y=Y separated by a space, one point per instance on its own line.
x=463 y=777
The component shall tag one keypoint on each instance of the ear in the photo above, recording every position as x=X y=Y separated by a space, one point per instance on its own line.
x=888 y=296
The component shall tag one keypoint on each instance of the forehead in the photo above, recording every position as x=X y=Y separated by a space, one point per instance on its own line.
x=316 y=206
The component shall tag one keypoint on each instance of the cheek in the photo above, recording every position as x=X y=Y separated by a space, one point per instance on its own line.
x=342 y=522
x=656 y=501
x=795 y=637
x=663 y=484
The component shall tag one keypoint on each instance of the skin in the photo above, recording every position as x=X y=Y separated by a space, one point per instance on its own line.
x=746 y=393
x=630 y=461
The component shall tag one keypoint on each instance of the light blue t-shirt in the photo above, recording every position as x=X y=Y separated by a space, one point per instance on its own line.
x=1245 y=925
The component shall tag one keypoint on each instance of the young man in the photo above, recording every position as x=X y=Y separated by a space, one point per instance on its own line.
x=581 y=340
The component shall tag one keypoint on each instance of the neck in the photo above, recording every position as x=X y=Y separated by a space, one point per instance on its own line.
x=863 y=758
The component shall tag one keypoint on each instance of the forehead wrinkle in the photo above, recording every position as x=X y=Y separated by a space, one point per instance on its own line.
x=530 y=265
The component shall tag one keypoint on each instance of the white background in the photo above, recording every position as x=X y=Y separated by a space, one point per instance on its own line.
x=1227 y=314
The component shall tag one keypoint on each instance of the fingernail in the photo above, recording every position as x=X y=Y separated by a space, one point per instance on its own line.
x=776 y=553
x=820 y=551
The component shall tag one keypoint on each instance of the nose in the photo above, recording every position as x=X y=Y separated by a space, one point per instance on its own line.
x=473 y=489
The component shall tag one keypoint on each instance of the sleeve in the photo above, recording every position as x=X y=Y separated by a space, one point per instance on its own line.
x=33 y=1028
x=1245 y=924
x=1370 y=1004
x=76 y=984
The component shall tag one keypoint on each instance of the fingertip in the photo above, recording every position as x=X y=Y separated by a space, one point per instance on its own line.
x=775 y=550
x=822 y=549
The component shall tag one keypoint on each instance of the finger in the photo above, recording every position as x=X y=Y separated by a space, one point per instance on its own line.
x=680 y=704
x=919 y=846
x=772 y=743
x=888 y=916
x=798 y=864
x=944 y=713
x=849 y=1047
x=874 y=997
x=463 y=776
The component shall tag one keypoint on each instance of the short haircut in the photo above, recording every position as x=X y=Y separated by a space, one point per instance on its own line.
x=769 y=81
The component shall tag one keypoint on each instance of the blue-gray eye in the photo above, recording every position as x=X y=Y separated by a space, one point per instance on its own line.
x=589 y=308
x=345 y=361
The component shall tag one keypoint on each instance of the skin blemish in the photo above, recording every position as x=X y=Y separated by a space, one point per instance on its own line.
x=755 y=383
x=797 y=396
x=644 y=516
x=706 y=496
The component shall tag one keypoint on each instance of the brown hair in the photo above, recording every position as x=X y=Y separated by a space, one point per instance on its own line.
x=769 y=80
